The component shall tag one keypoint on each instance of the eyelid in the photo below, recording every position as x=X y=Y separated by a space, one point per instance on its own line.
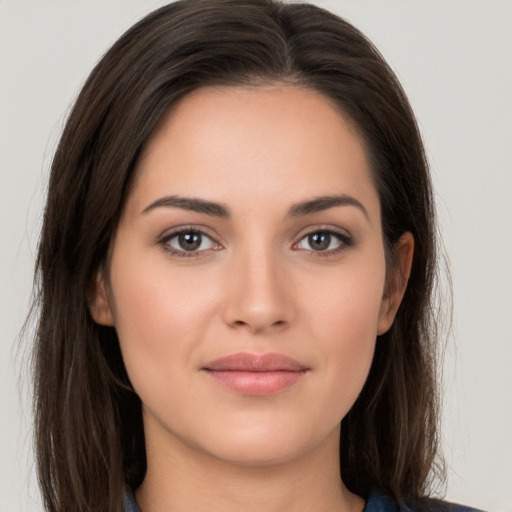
x=342 y=234
x=314 y=228
x=166 y=236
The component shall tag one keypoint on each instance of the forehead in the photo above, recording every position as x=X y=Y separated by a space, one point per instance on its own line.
x=253 y=143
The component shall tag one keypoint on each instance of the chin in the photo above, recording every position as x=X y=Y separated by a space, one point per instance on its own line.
x=257 y=454
x=260 y=446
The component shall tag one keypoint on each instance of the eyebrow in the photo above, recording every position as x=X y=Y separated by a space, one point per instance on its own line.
x=191 y=204
x=322 y=203
x=308 y=207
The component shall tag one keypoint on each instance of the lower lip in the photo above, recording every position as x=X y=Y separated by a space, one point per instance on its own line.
x=257 y=383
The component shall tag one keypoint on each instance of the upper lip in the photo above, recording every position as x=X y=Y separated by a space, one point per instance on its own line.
x=245 y=362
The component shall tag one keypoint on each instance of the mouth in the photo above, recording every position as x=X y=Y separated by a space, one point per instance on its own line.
x=256 y=375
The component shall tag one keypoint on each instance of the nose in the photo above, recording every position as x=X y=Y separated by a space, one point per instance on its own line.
x=259 y=294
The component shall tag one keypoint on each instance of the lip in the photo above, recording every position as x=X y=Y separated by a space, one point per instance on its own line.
x=255 y=374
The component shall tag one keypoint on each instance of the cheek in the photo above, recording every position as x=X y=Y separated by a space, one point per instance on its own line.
x=344 y=320
x=346 y=303
x=159 y=316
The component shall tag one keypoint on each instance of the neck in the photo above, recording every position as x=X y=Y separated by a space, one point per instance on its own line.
x=179 y=479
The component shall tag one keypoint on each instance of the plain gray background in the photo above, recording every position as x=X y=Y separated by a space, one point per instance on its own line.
x=454 y=59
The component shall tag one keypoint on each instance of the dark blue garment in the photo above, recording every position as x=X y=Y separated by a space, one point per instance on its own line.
x=376 y=503
x=380 y=503
x=129 y=502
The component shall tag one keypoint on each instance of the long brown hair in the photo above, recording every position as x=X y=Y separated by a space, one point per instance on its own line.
x=88 y=423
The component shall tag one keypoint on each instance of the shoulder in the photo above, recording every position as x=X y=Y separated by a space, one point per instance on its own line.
x=379 y=503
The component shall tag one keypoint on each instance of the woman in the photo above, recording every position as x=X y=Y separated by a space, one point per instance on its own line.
x=236 y=272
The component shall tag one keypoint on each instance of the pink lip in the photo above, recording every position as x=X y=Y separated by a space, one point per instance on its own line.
x=256 y=375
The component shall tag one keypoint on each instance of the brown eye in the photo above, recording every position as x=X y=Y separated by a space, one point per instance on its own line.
x=189 y=241
x=319 y=241
x=324 y=240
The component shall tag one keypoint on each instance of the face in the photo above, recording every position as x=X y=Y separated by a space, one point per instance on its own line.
x=247 y=279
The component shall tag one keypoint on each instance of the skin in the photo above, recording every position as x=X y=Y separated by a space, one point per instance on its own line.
x=255 y=285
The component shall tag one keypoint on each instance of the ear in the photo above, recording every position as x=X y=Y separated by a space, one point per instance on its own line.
x=99 y=301
x=396 y=282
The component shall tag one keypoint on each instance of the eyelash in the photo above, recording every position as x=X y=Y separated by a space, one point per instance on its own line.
x=164 y=242
x=345 y=242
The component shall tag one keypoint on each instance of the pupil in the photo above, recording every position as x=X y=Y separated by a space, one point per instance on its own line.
x=189 y=241
x=320 y=241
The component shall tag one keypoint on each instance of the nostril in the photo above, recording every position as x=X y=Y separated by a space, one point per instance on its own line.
x=258 y=309
x=259 y=326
